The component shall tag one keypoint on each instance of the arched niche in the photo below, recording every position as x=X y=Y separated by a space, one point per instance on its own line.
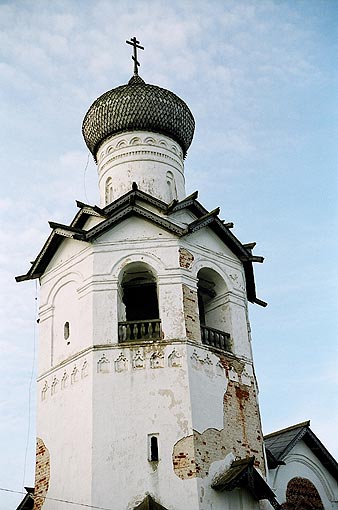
x=108 y=191
x=138 y=309
x=66 y=321
x=171 y=186
x=302 y=494
x=213 y=310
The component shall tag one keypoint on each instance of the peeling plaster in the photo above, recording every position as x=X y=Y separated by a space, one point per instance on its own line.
x=42 y=473
x=240 y=433
x=194 y=454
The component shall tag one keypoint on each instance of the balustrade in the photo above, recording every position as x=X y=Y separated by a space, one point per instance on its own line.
x=215 y=338
x=132 y=331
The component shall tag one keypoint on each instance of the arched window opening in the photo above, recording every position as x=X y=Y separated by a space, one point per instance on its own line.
x=139 y=308
x=214 y=322
x=140 y=298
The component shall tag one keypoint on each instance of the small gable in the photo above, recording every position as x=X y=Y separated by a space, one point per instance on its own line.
x=67 y=249
x=149 y=504
x=131 y=229
x=207 y=239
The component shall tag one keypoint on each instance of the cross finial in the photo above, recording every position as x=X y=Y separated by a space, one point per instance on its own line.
x=136 y=44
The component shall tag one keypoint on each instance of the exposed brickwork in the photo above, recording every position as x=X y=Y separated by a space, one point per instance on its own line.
x=193 y=455
x=191 y=316
x=186 y=258
x=301 y=493
x=242 y=424
x=241 y=435
x=42 y=473
x=184 y=458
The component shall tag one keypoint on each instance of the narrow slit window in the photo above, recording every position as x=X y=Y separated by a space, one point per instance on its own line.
x=66 y=332
x=153 y=448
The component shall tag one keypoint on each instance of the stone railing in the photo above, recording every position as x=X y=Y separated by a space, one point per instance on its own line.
x=132 y=331
x=215 y=338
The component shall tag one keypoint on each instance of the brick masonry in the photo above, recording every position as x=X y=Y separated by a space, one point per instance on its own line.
x=42 y=474
x=193 y=455
x=186 y=258
x=301 y=493
x=242 y=423
x=191 y=315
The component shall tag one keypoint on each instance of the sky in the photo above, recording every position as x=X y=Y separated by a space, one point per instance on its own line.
x=260 y=78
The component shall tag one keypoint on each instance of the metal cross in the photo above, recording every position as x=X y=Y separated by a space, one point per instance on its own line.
x=135 y=43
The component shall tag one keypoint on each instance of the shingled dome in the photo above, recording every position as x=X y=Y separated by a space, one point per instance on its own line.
x=138 y=106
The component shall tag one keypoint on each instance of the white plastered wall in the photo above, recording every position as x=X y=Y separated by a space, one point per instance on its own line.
x=153 y=161
x=81 y=286
x=64 y=411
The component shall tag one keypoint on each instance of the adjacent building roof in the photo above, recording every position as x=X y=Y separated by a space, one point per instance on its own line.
x=138 y=106
x=280 y=443
x=130 y=204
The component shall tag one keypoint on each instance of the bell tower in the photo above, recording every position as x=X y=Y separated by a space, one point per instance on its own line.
x=147 y=396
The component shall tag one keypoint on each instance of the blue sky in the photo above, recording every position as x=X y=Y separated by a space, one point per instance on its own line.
x=260 y=78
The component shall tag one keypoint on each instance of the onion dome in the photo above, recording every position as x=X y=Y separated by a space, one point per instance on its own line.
x=138 y=106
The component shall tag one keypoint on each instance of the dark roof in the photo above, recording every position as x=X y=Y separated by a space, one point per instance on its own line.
x=130 y=205
x=138 y=106
x=281 y=442
x=149 y=504
x=28 y=501
x=242 y=473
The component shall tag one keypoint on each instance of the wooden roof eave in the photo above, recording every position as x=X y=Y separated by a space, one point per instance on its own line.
x=86 y=211
x=242 y=473
x=243 y=252
x=61 y=231
x=187 y=202
x=124 y=207
x=48 y=250
x=218 y=226
x=321 y=452
x=130 y=197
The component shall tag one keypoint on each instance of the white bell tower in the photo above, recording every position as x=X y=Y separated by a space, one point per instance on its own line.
x=147 y=395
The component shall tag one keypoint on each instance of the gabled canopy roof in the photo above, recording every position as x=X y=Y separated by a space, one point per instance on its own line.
x=242 y=473
x=149 y=504
x=28 y=501
x=281 y=442
x=130 y=205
